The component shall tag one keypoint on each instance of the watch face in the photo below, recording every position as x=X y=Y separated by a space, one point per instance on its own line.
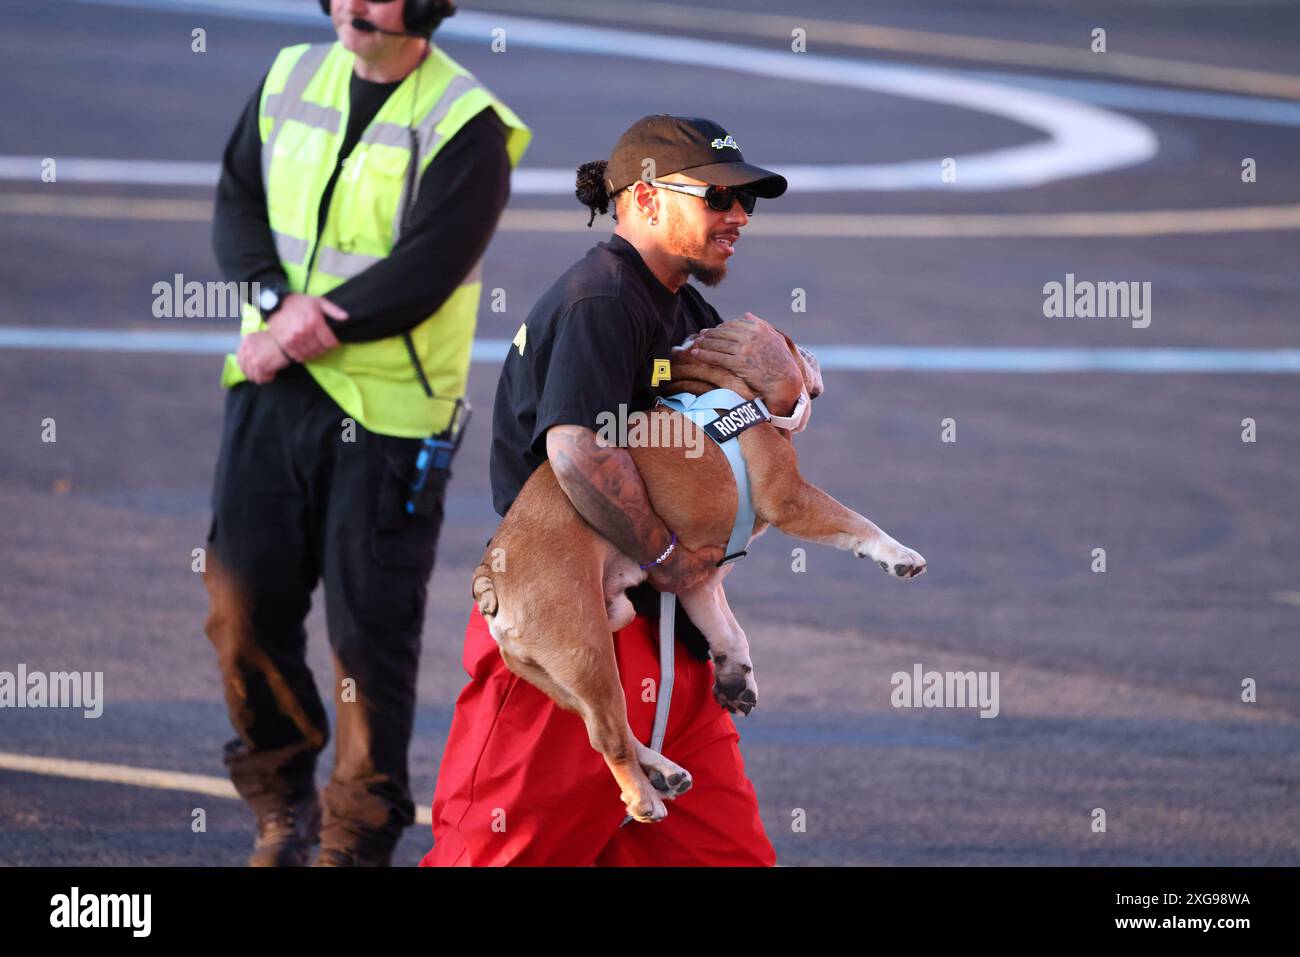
x=268 y=299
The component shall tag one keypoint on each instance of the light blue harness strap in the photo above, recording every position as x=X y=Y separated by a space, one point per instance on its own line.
x=667 y=672
x=703 y=409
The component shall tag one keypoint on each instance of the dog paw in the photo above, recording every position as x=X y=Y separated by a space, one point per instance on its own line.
x=672 y=786
x=733 y=684
x=668 y=779
x=645 y=808
x=894 y=559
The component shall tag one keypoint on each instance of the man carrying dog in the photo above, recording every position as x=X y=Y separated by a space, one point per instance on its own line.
x=519 y=782
x=360 y=191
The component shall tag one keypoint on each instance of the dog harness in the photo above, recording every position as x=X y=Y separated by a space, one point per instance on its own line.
x=723 y=415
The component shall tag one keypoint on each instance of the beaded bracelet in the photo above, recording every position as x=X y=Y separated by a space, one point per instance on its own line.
x=667 y=551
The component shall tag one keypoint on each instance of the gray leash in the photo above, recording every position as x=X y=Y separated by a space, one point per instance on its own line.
x=667 y=668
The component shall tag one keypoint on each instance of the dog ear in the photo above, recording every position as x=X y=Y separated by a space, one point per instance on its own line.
x=809 y=367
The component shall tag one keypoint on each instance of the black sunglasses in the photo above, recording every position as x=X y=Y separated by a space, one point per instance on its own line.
x=719 y=198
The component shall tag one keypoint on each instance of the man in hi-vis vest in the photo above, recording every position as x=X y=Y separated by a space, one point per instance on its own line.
x=358 y=193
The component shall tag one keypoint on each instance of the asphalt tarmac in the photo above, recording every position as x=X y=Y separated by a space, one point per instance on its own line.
x=1119 y=690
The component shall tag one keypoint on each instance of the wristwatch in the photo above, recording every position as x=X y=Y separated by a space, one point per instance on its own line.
x=269 y=299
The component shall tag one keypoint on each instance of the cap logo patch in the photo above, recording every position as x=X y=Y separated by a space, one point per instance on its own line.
x=728 y=143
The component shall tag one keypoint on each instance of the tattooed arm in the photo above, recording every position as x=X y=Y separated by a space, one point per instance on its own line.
x=604 y=486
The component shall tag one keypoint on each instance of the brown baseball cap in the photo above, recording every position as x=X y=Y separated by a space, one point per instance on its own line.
x=697 y=147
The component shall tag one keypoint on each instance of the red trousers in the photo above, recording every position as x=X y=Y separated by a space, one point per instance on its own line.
x=520 y=783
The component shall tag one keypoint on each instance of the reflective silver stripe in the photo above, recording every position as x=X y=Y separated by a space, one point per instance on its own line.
x=388 y=134
x=300 y=74
x=338 y=263
x=275 y=104
x=291 y=250
x=279 y=106
x=427 y=138
x=335 y=262
x=312 y=114
x=426 y=131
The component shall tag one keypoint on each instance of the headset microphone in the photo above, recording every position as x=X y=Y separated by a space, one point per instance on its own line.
x=365 y=26
x=420 y=17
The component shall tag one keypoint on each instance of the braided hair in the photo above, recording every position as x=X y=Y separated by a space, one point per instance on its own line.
x=591 y=190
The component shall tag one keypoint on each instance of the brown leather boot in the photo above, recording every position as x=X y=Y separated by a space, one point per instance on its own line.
x=351 y=857
x=286 y=835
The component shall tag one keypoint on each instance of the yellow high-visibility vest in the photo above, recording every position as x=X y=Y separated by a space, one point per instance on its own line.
x=302 y=120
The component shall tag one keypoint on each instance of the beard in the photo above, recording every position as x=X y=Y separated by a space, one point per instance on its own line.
x=693 y=250
x=709 y=275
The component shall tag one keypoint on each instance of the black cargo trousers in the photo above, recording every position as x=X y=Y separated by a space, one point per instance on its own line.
x=302 y=491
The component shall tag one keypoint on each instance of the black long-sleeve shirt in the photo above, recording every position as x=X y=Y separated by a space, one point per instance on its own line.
x=459 y=201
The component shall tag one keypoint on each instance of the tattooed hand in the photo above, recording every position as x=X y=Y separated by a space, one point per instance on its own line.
x=753 y=350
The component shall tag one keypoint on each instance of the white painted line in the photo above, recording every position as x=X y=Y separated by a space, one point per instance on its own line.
x=1081 y=140
x=540 y=181
x=980 y=359
x=84 y=169
x=118 y=774
x=138 y=777
x=1155 y=222
x=50 y=202
x=118 y=340
x=1150 y=99
x=831 y=357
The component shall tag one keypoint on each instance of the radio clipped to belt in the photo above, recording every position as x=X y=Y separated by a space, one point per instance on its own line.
x=436 y=453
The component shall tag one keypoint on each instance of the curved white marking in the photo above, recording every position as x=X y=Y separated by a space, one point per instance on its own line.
x=1081 y=139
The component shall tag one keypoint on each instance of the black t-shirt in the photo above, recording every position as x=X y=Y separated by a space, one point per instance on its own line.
x=588 y=345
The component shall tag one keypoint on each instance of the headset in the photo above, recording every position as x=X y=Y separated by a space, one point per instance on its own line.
x=421 y=17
